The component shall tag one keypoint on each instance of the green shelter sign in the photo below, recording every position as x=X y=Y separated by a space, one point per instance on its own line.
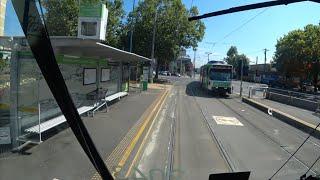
x=89 y=9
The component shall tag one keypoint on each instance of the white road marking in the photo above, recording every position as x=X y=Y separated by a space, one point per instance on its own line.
x=223 y=120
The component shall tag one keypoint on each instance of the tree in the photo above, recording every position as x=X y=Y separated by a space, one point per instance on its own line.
x=242 y=59
x=231 y=56
x=62 y=18
x=234 y=59
x=297 y=53
x=115 y=28
x=173 y=30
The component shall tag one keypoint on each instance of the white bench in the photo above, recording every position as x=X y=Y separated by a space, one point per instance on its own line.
x=104 y=102
x=55 y=121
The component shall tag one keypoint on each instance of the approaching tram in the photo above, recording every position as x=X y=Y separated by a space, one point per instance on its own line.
x=216 y=77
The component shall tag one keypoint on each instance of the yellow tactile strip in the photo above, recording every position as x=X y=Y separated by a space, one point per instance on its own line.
x=120 y=154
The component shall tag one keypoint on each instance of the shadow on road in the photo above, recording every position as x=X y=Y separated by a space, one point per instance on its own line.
x=194 y=89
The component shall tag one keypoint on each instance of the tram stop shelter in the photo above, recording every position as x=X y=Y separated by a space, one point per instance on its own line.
x=94 y=72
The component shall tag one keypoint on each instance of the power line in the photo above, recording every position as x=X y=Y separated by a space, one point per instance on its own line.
x=242 y=25
x=292 y=155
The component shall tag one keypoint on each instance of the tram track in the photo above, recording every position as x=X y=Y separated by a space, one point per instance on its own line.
x=221 y=148
x=262 y=132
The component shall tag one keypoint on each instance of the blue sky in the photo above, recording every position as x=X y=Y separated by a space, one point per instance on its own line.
x=262 y=32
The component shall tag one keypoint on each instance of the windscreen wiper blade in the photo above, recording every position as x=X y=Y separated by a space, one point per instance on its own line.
x=40 y=45
x=248 y=7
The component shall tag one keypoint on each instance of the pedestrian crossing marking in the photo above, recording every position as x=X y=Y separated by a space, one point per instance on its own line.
x=223 y=120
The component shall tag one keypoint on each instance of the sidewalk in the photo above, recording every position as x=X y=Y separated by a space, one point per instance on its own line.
x=61 y=156
x=305 y=115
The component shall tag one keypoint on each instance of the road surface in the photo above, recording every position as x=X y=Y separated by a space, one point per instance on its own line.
x=196 y=134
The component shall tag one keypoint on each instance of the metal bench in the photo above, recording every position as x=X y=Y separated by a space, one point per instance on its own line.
x=104 y=102
x=55 y=121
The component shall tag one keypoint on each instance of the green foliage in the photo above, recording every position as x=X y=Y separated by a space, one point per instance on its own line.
x=173 y=30
x=235 y=59
x=115 y=25
x=231 y=56
x=62 y=18
x=3 y=63
x=297 y=49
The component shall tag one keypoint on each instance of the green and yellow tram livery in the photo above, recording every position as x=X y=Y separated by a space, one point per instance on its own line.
x=216 y=77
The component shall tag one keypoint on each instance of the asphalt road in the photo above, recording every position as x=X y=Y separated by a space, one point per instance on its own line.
x=197 y=134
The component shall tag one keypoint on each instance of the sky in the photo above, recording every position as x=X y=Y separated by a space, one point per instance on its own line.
x=250 y=31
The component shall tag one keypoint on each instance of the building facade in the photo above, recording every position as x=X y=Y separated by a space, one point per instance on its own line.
x=2 y=15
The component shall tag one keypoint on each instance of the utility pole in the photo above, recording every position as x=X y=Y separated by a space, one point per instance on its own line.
x=153 y=43
x=257 y=60
x=181 y=58
x=241 y=77
x=132 y=22
x=208 y=53
x=265 y=59
x=194 y=63
x=154 y=33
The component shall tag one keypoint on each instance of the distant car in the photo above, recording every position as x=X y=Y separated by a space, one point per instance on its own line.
x=306 y=86
x=176 y=74
x=164 y=73
x=168 y=73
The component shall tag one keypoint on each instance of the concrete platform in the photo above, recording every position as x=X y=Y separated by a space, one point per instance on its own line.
x=62 y=157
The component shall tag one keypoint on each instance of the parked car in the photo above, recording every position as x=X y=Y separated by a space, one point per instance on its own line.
x=164 y=73
x=176 y=74
x=306 y=86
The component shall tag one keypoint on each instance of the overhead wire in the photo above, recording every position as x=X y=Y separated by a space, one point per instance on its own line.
x=243 y=24
x=292 y=155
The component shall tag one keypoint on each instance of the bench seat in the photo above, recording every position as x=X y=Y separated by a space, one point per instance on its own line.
x=44 y=126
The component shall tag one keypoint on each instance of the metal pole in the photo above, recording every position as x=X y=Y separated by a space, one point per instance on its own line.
x=194 y=64
x=131 y=32
x=39 y=111
x=181 y=66
x=154 y=34
x=241 y=77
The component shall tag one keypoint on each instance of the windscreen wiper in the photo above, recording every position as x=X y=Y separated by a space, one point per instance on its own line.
x=40 y=45
x=248 y=7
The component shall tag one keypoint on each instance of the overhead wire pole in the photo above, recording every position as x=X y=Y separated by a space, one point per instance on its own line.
x=132 y=22
x=241 y=76
x=265 y=59
x=194 y=63
x=208 y=53
x=154 y=37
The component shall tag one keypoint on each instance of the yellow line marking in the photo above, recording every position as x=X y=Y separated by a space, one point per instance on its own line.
x=145 y=138
x=138 y=135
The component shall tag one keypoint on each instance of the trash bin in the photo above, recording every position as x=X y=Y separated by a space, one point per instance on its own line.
x=144 y=85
